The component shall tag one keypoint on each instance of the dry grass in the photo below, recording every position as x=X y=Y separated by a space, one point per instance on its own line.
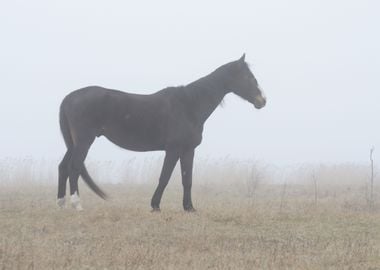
x=244 y=220
x=229 y=231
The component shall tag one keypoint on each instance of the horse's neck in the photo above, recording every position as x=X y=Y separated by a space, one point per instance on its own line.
x=205 y=95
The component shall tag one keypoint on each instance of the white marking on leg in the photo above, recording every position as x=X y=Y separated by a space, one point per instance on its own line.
x=61 y=202
x=75 y=202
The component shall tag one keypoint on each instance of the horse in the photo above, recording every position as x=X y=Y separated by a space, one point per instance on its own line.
x=169 y=120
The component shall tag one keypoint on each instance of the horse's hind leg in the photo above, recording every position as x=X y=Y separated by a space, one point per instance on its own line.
x=63 y=172
x=76 y=164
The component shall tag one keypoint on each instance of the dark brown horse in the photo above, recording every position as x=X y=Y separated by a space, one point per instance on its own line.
x=169 y=120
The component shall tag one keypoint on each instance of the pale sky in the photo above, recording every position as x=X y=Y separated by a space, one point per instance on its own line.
x=317 y=61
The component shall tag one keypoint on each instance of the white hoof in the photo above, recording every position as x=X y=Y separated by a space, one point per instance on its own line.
x=61 y=202
x=78 y=207
x=75 y=202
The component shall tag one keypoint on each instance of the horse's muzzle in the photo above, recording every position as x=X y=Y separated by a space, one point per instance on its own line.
x=259 y=102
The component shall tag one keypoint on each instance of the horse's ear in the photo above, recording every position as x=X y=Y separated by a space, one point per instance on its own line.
x=242 y=59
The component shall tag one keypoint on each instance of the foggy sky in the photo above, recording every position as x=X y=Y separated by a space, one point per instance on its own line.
x=317 y=61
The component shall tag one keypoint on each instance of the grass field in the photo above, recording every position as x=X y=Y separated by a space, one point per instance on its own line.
x=275 y=227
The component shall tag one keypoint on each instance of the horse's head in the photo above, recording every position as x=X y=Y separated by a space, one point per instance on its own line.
x=244 y=84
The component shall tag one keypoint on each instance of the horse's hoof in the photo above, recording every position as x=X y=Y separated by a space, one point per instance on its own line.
x=61 y=202
x=78 y=207
x=190 y=209
x=155 y=210
x=75 y=202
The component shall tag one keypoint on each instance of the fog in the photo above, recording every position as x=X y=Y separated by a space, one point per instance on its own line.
x=318 y=63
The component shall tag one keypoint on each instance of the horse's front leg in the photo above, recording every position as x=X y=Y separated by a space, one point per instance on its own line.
x=186 y=160
x=171 y=158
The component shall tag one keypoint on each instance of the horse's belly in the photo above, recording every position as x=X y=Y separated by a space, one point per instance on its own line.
x=135 y=140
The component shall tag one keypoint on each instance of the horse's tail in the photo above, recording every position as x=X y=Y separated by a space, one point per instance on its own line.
x=87 y=178
x=65 y=129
